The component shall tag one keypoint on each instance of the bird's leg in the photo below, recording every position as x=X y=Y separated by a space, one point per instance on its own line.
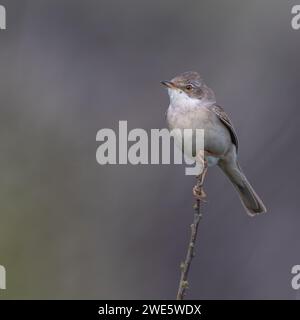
x=198 y=191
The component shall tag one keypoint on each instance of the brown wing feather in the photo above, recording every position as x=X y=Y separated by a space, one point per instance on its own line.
x=219 y=111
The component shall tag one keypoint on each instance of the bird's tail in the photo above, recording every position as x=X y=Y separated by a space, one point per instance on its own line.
x=251 y=201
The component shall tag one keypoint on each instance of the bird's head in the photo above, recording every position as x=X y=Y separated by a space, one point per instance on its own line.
x=189 y=85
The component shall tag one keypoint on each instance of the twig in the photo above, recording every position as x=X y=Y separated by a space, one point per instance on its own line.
x=185 y=266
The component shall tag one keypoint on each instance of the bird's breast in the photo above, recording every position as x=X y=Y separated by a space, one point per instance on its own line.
x=216 y=135
x=188 y=118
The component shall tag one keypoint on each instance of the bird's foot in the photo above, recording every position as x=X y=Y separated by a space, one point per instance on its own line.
x=199 y=193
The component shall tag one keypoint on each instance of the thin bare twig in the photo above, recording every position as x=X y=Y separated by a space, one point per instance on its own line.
x=185 y=266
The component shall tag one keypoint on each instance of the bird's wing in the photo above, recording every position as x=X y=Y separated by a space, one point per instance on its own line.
x=219 y=111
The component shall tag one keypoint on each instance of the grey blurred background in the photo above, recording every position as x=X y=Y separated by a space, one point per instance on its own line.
x=70 y=228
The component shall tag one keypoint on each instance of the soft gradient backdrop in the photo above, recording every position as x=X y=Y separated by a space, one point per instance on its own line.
x=70 y=228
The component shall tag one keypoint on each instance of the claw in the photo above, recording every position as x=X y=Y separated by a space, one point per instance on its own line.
x=199 y=193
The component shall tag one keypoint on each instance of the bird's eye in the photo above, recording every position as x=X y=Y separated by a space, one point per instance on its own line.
x=189 y=87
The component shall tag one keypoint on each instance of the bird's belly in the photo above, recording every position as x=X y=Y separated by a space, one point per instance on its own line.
x=212 y=161
x=216 y=135
x=216 y=140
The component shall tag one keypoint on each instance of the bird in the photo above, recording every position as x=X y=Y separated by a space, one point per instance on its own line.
x=193 y=106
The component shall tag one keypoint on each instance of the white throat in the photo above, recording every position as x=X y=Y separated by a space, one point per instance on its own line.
x=179 y=99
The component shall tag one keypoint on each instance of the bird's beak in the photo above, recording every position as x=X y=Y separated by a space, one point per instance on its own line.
x=168 y=84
